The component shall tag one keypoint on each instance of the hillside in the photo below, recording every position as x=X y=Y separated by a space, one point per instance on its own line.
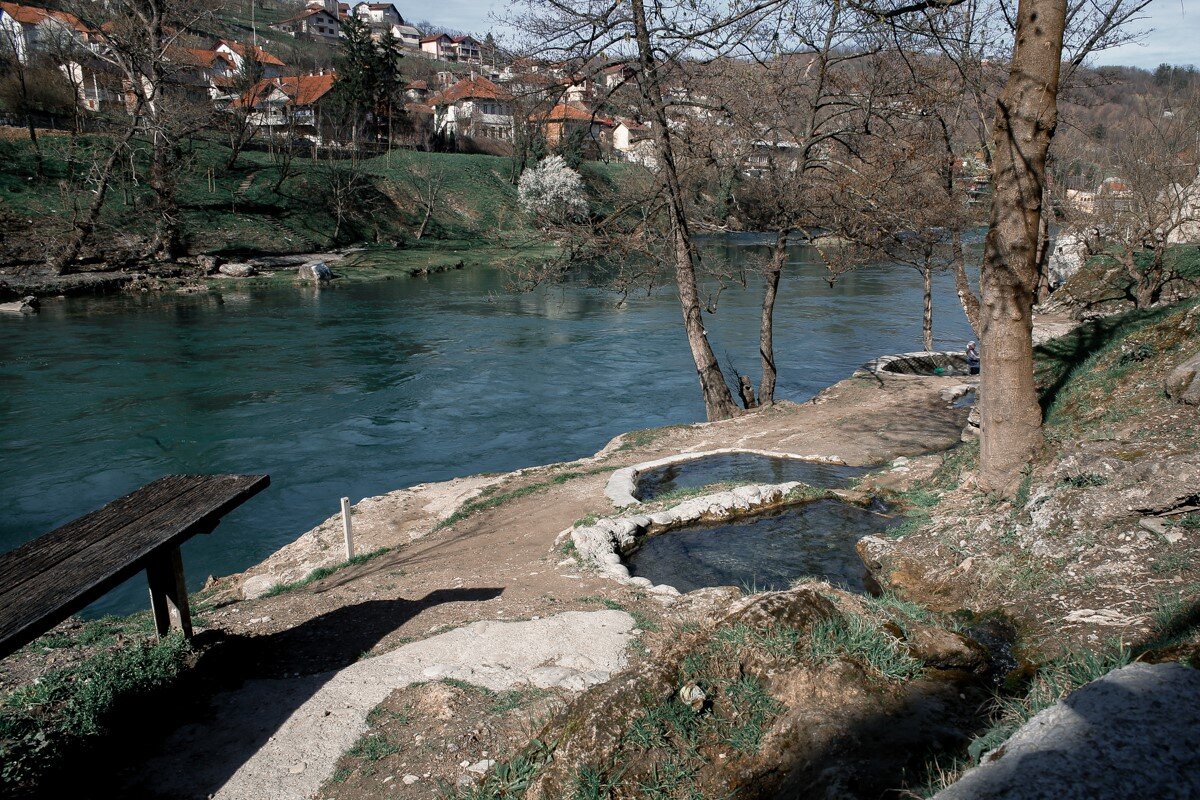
x=265 y=206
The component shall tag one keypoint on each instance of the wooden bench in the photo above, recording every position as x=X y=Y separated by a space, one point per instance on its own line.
x=47 y=580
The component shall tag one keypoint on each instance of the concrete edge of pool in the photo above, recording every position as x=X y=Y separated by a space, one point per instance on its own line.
x=603 y=543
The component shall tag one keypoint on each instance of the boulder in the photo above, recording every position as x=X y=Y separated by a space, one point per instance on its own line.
x=1071 y=250
x=1183 y=386
x=26 y=305
x=209 y=264
x=318 y=272
x=237 y=270
x=1132 y=733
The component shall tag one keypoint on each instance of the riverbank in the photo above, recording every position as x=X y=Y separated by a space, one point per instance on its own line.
x=285 y=642
x=261 y=207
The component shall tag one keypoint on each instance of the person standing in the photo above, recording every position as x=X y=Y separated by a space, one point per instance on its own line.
x=972 y=359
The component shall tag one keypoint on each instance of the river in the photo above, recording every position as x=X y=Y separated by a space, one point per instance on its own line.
x=358 y=390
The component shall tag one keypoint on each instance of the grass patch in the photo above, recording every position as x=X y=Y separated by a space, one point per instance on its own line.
x=508 y=780
x=490 y=498
x=861 y=640
x=640 y=619
x=324 y=572
x=373 y=747
x=645 y=437
x=677 y=495
x=1084 y=480
x=43 y=723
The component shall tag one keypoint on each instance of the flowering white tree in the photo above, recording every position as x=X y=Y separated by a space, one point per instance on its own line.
x=553 y=191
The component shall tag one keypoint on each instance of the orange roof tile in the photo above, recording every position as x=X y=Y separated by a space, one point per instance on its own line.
x=260 y=55
x=301 y=90
x=472 y=88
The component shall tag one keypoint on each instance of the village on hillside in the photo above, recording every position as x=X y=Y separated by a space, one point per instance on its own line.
x=474 y=96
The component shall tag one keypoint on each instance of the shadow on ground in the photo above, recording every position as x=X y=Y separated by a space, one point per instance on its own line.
x=308 y=655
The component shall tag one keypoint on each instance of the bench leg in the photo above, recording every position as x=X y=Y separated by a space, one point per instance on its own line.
x=168 y=594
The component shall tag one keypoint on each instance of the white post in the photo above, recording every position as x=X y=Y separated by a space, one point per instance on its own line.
x=347 y=529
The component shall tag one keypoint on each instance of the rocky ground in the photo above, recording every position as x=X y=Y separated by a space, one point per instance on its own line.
x=1101 y=543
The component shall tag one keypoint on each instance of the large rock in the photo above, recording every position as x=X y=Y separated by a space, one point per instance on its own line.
x=237 y=270
x=1132 y=733
x=26 y=305
x=317 y=271
x=1071 y=250
x=1183 y=386
x=209 y=264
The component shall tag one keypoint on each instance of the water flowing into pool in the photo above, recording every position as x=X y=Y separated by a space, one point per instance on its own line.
x=362 y=389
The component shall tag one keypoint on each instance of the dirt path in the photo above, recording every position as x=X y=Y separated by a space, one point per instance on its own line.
x=499 y=563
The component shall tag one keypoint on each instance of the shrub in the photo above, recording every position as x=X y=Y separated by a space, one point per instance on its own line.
x=553 y=191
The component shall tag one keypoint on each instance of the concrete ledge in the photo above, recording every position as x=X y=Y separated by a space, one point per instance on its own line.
x=918 y=364
x=623 y=483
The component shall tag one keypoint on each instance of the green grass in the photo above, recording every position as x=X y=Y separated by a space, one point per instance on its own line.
x=645 y=437
x=324 y=572
x=477 y=208
x=43 y=723
x=373 y=747
x=862 y=641
x=491 y=498
x=507 y=780
x=640 y=619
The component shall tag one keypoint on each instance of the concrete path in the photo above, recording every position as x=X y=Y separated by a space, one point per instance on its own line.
x=276 y=739
x=1132 y=733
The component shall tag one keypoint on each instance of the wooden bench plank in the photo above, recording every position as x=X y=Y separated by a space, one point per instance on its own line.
x=33 y=557
x=43 y=598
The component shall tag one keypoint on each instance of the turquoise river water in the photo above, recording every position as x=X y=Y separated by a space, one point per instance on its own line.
x=362 y=389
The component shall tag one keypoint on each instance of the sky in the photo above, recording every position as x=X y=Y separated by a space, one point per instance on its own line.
x=1173 y=38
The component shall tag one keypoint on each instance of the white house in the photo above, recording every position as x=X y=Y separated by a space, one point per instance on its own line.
x=24 y=29
x=439 y=46
x=408 y=36
x=381 y=15
x=319 y=21
x=474 y=107
x=235 y=54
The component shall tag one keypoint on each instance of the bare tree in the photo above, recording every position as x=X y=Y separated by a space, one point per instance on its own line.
x=1152 y=199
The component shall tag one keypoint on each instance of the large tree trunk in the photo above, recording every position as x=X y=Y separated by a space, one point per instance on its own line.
x=766 y=328
x=1027 y=113
x=927 y=311
x=718 y=401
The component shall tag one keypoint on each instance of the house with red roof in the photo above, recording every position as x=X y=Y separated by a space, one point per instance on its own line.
x=292 y=103
x=319 y=21
x=25 y=29
x=474 y=107
x=566 y=120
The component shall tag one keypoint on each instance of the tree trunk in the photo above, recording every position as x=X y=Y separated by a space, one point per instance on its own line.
x=927 y=311
x=1043 y=255
x=962 y=284
x=1027 y=113
x=425 y=220
x=87 y=226
x=766 y=328
x=718 y=401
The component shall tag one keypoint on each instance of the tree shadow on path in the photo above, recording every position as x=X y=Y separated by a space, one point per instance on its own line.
x=186 y=746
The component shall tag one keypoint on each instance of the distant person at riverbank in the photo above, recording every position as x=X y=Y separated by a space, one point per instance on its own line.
x=972 y=359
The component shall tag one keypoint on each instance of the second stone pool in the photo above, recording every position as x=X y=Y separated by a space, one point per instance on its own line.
x=766 y=551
